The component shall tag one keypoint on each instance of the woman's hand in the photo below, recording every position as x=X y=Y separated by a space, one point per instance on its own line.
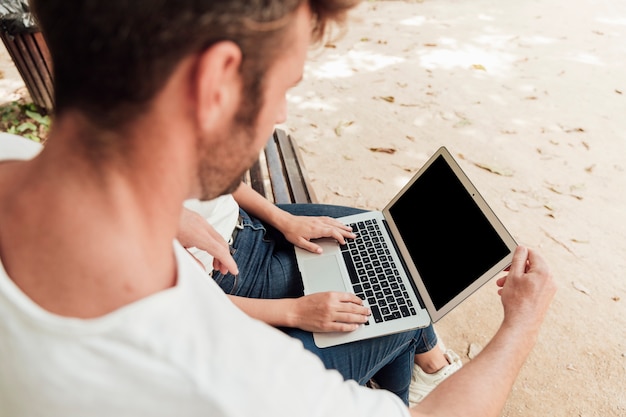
x=300 y=230
x=195 y=231
x=328 y=312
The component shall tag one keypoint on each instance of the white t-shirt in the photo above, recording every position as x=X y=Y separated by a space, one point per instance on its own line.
x=185 y=351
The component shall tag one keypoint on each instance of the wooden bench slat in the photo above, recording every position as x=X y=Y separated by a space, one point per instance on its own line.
x=280 y=187
x=257 y=181
x=30 y=53
x=298 y=181
x=279 y=174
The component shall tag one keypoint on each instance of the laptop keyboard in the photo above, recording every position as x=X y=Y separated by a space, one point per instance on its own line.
x=374 y=275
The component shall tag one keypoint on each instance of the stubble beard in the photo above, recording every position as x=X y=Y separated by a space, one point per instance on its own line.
x=223 y=166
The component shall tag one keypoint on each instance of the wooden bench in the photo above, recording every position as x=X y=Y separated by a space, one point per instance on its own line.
x=31 y=57
x=279 y=173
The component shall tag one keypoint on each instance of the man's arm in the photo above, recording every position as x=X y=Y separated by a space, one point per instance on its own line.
x=482 y=386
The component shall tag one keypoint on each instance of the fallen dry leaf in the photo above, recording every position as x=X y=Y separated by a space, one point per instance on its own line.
x=384 y=150
x=374 y=179
x=511 y=204
x=341 y=125
x=461 y=123
x=578 y=240
x=499 y=171
x=580 y=287
x=340 y=192
x=389 y=99
x=554 y=190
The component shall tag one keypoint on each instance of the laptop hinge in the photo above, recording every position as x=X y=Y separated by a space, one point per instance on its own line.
x=406 y=270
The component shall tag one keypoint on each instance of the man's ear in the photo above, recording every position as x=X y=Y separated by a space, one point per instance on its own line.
x=218 y=84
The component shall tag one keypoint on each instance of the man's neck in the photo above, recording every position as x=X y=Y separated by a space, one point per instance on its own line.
x=84 y=239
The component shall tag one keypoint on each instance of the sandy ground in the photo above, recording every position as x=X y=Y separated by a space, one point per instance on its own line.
x=531 y=99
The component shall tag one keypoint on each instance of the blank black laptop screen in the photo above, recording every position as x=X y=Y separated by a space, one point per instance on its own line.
x=450 y=240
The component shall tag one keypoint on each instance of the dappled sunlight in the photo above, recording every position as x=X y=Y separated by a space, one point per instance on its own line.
x=619 y=21
x=517 y=122
x=536 y=40
x=413 y=21
x=343 y=66
x=484 y=52
x=586 y=58
x=311 y=101
x=467 y=57
x=527 y=96
x=9 y=90
x=493 y=40
x=401 y=180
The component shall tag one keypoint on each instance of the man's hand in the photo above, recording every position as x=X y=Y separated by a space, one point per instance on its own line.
x=480 y=388
x=299 y=230
x=328 y=312
x=527 y=290
x=195 y=231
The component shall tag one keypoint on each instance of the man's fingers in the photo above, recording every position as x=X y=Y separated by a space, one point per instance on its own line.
x=520 y=258
x=537 y=263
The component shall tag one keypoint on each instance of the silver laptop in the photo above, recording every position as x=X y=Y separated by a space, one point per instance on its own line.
x=434 y=244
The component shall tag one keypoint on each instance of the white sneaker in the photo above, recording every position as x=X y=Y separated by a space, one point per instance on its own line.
x=423 y=383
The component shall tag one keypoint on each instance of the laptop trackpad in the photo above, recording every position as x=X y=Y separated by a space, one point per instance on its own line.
x=324 y=274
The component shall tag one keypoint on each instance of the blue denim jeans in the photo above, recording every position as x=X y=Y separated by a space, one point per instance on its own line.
x=268 y=269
